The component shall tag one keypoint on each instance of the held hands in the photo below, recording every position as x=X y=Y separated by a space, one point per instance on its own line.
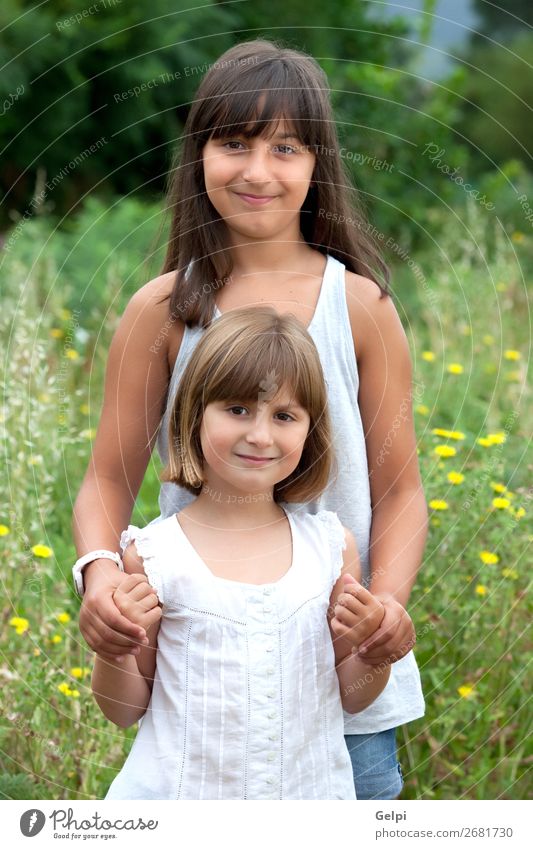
x=357 y=613
x=137 y=601
x=107 y=632
x=394 y=638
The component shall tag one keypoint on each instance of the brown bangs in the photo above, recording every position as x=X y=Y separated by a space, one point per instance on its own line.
x=257 y=366
x=283 y=96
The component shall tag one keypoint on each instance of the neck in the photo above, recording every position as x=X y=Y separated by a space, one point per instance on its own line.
x=235 y=510
x=268 y=257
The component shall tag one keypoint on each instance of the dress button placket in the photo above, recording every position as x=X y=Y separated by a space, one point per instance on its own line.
x=265 y=709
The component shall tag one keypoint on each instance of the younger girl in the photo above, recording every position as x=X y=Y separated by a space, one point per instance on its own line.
x=239 y=684
x=264 y=212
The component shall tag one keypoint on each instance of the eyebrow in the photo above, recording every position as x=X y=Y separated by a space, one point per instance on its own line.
x=286 y=136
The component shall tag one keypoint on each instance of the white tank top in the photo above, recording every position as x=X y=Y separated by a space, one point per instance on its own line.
x=245 y=702
x=348 y=492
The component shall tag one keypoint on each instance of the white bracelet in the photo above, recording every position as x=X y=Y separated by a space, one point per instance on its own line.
x=99 y=554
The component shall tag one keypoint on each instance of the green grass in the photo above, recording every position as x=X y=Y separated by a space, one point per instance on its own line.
x=471 y=649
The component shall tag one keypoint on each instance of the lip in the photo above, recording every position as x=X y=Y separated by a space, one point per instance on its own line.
x=255 y=200
x=256 y=461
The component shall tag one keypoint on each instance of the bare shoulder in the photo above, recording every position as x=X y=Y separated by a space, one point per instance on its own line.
x=147 y=325
x=373 y=317
x=155 y=293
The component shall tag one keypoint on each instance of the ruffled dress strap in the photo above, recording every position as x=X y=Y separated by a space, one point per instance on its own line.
x=146 y=545
x=337 y=543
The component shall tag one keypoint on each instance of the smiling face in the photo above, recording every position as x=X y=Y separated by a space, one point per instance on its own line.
x=248 y=447
x=258 y=185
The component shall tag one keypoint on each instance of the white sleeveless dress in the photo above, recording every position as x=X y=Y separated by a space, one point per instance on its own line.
x=348 y=492
x=245 y=701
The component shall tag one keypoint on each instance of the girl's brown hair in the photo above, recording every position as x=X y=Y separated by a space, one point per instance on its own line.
x=244 y=355
x=295 y=88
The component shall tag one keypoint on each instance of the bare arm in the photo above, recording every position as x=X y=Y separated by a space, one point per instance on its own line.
x=353 y=615
x=123 y=691
x=136 y=384
x=399 y=511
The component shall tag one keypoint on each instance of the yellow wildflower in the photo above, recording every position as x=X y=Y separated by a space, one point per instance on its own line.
x=36 y=651
x=42 y=551
x=519 y=512
x=63 y=618
x=510 y=573
x=65 y=314
x=84 y=409
x=444 y=451
x=438 y=504
x=57 y=638
x=486 y=443
x=65 y=689
x=79 y=672
x=56 y=333
x=448 y=434
x=501 y=287
x=488 y=339
x=501 y=503
x=497 y=438
x=517 y=236
x=481 y=590
x=466 y=691
x=89 y=433
x=513 y=376
x=455 y=368
x=488 y=557
x=19 y=624
x=498 y=487
x=72 y=354
x=428 y=356
x=4 y=530
x=435 y=521
x=511 y=354
x=455 y=477
x=422 y=409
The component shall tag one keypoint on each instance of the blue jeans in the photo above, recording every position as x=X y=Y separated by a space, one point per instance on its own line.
x=376 y=770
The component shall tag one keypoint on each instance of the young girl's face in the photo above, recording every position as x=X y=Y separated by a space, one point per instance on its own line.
x=259 y=185
x=251 y=446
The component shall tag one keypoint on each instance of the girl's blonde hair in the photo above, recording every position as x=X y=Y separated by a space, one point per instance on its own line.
x=332 y=219
x=244 y=355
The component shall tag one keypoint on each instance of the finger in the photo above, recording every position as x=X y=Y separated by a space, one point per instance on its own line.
x=379 y=637
x=352 y=603
x=117 y=623
x=338 y=628
x=152 y=617
x=390 y=650
x=359 y=592
x=349 y=619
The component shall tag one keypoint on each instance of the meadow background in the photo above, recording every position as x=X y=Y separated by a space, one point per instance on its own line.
x=82 y=177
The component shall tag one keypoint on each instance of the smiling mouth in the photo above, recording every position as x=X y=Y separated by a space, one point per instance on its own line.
x=254 y=199
x=255 y=459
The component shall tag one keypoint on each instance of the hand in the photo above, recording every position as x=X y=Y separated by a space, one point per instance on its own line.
x=137 y=600
x=394 y=638
x=357 y=613
x=106 y=631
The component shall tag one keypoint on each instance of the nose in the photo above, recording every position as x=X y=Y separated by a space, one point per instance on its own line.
x=259 y=433
x=256 y=165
